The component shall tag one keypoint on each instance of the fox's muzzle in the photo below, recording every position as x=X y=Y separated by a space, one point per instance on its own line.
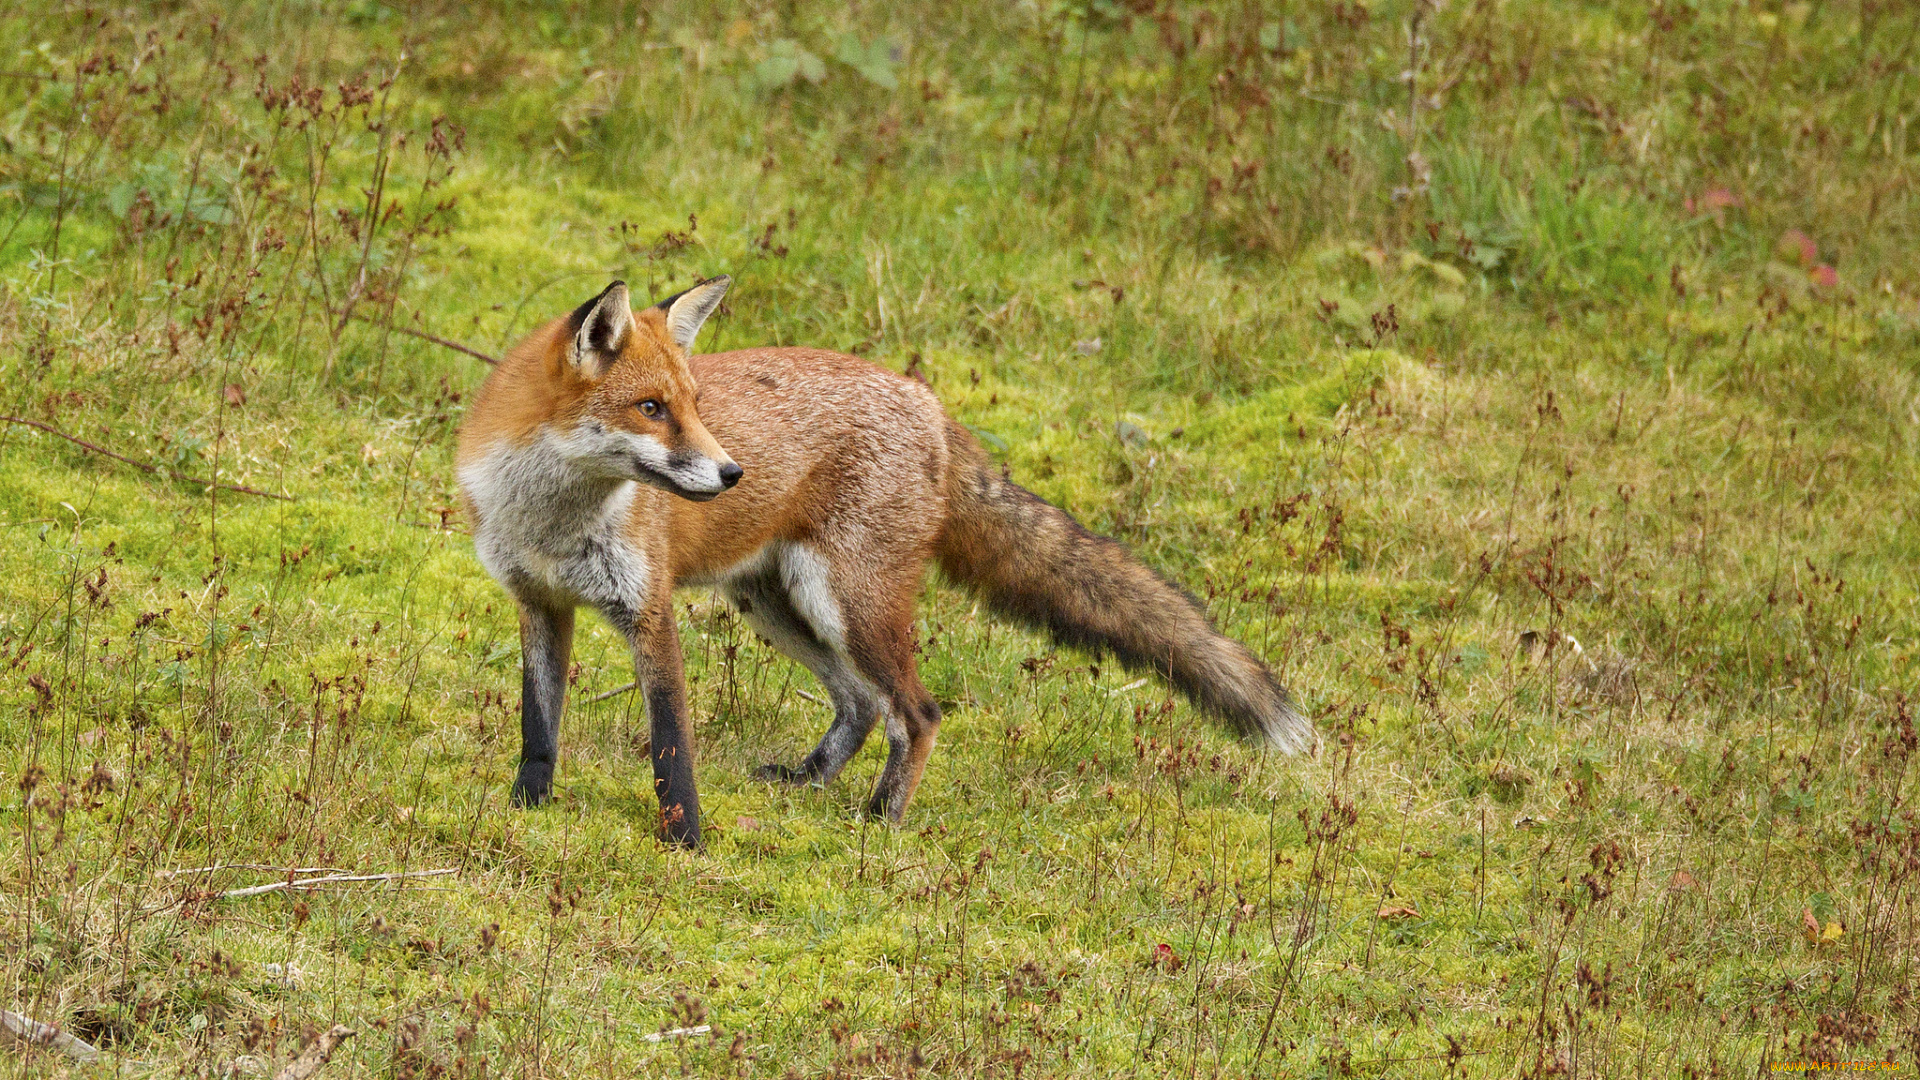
x=694 y=476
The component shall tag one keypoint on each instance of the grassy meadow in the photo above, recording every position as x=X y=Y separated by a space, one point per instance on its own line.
x=1535 y=385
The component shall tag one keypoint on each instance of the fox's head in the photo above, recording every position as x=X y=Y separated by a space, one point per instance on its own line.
x=639 y=416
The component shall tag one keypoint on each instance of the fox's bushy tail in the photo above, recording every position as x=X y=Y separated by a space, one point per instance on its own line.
x=1031 y=561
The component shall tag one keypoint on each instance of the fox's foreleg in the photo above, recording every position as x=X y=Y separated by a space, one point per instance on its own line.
x=546 y=647
x=658 y=668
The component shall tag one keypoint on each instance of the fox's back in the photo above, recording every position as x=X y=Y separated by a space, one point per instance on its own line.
x=836 y=450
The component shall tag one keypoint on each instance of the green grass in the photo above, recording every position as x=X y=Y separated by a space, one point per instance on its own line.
x=1568 y=380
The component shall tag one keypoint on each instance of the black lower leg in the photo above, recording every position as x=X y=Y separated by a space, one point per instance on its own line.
x=546 y=643
x=911 y=728
x=673 y=765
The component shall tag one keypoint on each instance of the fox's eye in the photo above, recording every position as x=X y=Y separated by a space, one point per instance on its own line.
x=649 y=408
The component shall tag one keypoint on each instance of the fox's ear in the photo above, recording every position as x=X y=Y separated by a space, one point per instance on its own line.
x=688 y=310
x=600 y=328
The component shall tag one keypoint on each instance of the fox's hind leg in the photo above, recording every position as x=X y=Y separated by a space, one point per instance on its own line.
x=874 y=618
x=880 y=642
x=768 y=605
x=851 y=624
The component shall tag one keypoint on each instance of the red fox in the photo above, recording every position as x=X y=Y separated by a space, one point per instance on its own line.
x=593 y=465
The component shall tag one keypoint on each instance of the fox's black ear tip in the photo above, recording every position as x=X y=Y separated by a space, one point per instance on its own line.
x=578 y=317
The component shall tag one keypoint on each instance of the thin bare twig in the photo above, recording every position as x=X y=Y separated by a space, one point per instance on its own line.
x=24 y=1031
x=677 y=1033
x=424 y=336
x=157 y=470
x=615 y=692
x=250 y=866
x=316 y=1054
x=330 y=879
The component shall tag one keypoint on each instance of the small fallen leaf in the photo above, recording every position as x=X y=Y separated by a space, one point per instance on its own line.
x=746 y=824
x=236 y=396
x=1810 y=924
x=1399 y=911
x=1682 y=881
x=1833 y=932
x=1797 y=247
x=1165 y=957
x=1714 y=201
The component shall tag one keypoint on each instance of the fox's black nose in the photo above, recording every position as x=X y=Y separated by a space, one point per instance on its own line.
x=730 y=473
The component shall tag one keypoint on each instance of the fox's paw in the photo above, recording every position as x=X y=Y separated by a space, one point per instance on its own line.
x=884 y=806
x=534 y=785
x=776 y=773
x=679 y=827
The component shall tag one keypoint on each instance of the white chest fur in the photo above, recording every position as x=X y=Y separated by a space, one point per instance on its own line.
x=544 y=526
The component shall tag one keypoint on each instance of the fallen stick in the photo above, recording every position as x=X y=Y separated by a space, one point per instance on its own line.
x=678 y=1033
x=330 y=879
x=141 y=465
x=24 y=1031
x=615 y=692
x=424 y=336
x=316 y=1054
x=249 y=866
